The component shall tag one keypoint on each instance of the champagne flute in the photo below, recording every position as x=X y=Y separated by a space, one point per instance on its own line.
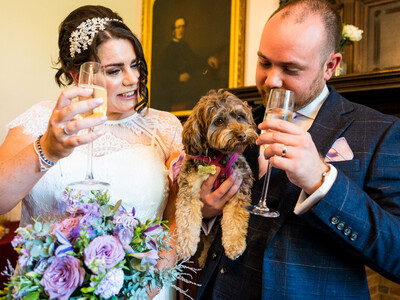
x=92 y=75
x=280 y=106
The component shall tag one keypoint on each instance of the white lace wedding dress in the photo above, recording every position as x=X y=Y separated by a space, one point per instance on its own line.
x=131 y=156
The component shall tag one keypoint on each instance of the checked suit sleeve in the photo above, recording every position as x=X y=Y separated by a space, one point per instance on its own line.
x=362 y=208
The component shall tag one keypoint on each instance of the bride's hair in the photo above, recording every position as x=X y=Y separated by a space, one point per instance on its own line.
x=72 y=56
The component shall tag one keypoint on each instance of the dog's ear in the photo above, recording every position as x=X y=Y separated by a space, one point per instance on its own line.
x=193 y=135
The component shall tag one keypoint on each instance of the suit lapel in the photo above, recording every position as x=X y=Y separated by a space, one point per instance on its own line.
x=332 y=120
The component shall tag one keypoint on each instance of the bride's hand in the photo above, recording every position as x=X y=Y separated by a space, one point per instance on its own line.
x=61 y=137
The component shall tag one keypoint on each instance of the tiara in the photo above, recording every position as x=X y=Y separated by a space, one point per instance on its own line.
x=84 y=34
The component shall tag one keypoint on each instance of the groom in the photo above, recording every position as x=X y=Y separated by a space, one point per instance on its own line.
x=336 y=185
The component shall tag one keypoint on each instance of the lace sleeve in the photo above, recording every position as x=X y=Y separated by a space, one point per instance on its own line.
x=174 y=134
x=34 y=120
x=169 y=128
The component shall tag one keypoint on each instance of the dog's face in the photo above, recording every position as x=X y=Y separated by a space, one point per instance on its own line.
x=219 y=121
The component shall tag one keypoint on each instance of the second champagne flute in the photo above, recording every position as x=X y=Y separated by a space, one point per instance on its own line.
x=280 y=106
x=92 y=76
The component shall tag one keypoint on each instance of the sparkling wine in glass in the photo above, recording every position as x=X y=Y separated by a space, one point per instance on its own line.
x=92 y=75
x=280 y=106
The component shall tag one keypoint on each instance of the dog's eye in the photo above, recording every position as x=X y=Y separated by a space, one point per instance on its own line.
x=219 y=122
x=239 y=117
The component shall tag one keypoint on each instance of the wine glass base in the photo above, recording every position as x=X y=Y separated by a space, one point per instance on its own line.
x=89 y=185
x=262 y=211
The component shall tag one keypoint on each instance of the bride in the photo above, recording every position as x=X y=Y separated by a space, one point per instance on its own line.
x=133 y=146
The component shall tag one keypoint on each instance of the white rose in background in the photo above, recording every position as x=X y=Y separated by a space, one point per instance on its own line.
x=350 y=34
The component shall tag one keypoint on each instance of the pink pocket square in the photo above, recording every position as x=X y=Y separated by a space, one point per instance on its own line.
x=340 y=151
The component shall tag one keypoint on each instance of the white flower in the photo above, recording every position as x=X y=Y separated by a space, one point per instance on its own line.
x=352 y=32
x=111 y=284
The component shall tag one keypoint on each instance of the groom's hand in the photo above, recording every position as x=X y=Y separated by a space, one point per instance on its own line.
x=214 y=200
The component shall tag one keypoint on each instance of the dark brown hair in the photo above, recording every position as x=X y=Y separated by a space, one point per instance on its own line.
x=114 y=30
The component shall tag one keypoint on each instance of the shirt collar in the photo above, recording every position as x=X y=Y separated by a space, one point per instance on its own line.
x=312 y=109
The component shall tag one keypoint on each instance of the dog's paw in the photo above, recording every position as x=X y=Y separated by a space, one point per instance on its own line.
x=185 y=248
x=234 y=248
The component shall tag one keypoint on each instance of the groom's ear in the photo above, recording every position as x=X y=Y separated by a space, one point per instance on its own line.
x=331 y=64
x=75 y=76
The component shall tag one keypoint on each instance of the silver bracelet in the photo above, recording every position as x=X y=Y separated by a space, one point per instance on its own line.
x=45 y=164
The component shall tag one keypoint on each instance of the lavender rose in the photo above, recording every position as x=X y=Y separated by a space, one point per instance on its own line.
x=62 y=277
x=106 y=248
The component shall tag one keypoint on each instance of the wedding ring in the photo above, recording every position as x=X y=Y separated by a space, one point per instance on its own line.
x=65 y=131
x=284 y=150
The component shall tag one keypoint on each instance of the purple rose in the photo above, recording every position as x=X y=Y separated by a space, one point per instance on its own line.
x=62 y=277
x=106 y=248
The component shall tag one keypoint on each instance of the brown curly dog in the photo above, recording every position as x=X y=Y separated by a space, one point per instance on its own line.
x=216 y=133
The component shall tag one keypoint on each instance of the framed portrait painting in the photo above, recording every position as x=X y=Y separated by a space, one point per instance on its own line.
x=192 y=46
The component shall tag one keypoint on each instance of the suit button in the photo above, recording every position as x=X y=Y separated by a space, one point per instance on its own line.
x=223 y=270
x=353 y=236
x=347 y=231
x=340 y=226
x=334 y=220
x=214 y=255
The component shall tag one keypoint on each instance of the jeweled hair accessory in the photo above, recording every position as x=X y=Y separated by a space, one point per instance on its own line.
x=84 y=34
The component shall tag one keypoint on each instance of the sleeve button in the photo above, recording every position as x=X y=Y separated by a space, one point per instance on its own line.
x=340 y=226
x=223 y=270
x=347 y=231
x=353 y=236
x=214 y=255
x=334 y=220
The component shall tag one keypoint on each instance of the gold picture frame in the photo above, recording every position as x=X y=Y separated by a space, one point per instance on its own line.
x=235 y=76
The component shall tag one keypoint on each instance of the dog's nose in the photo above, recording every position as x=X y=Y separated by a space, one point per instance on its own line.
x=241 y=137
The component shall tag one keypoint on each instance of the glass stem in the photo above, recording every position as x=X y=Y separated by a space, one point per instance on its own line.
x=263 y=199
x=89 y=169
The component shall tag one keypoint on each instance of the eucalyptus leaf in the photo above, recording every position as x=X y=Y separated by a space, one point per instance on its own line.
x=37 y=243
x=35 y=251
x=44 y=252
x=28 y=244
x=38 y=227
x=51 y=249
x=106 y=210
x=46 y=228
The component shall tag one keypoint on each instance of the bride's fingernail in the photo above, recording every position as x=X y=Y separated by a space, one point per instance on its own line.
x=99 y=133
x=99 y=100
x=103 y=118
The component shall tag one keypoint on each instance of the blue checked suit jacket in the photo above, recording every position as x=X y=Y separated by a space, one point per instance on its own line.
x=321 y=254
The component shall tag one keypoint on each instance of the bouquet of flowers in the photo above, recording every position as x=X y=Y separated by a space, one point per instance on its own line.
x=100 y=251
x=350 y=34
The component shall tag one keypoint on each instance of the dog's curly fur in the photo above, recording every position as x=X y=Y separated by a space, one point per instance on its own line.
x=220 y=122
